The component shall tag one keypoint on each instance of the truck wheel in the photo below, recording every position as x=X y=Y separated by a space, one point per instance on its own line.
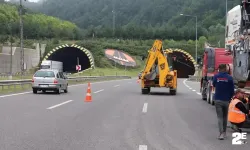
x=145 y=90
x=208 y=94
x=241 y=84
x=172 y=91
x=203 y=94
x=212 y=101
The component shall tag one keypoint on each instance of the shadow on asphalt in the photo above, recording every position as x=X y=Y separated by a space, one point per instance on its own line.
x=49 y=93
x=162 y=93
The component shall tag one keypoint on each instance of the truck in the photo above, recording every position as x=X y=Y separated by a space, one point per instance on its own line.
x=237 y=44
x=158 y=70
x=50 y=64
x=238 y=25
x=211 y=59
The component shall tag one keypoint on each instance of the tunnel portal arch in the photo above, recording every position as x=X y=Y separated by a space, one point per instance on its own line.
x=77 y=48
x=183 y=62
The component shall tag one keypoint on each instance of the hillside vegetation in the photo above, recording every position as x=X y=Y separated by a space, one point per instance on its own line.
x=137 y=24
x=136 y=48
x=36 y=25
x=144 y=19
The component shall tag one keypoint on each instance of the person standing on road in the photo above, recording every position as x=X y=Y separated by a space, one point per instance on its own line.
x=224 y=91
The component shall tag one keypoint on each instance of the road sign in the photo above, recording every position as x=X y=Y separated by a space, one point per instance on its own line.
x=78 y=67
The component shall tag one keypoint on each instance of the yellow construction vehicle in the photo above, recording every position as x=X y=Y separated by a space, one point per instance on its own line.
x=158 y=71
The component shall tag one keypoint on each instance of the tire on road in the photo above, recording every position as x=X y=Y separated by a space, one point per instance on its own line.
x=172 y=91
x=34 y=91
x=145 y=90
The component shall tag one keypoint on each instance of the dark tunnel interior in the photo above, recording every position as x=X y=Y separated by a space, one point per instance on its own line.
x=69 y=55
x=183 y=65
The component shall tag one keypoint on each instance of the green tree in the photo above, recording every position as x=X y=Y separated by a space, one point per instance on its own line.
x=36 y=25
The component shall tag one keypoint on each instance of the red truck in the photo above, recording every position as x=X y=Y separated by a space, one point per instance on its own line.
x=212 y=58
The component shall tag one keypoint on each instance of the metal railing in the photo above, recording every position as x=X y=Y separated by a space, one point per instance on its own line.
x=9 y=83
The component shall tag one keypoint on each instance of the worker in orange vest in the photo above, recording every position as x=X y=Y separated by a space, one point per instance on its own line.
x=237 y=112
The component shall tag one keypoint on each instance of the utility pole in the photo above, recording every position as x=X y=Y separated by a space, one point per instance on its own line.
x=21 y=37
x=11 y=52
x=11 y=49
x=196 y=39
x=113 y=12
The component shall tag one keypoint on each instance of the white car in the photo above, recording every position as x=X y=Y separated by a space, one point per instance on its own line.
x=49 y=80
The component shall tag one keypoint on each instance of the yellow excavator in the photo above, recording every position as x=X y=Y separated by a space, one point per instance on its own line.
x=158 y=71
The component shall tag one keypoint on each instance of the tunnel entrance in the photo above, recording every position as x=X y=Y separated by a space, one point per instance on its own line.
x=183 y=62
x=70 y=55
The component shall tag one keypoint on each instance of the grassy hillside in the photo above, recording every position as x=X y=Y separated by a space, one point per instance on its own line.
x=136 y=48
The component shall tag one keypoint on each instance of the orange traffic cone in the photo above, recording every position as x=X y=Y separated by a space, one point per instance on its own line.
x=89 y=89
x=88 y=95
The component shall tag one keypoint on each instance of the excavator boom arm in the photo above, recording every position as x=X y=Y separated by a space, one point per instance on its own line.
x=156 y=57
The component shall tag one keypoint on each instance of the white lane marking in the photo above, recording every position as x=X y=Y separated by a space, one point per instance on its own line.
x=16 y=94
x=99 y=91
x=184 y=82
x=116 y=85
x=59 y=104
x=145 y=107
x=98 y=82
x=143 y=147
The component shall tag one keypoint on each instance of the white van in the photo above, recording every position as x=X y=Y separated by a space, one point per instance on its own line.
x=50 y=64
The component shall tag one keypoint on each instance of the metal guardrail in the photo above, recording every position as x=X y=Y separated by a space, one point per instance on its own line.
x=80 y=78
x=194 y=78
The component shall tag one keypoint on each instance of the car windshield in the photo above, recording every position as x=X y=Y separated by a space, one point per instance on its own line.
x=48 y=74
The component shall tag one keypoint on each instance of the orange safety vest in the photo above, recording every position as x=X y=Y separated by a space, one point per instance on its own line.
x=234 y=114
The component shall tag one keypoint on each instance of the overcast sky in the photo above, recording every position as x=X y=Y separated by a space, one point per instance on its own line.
x=33 y=0
x=29 y=0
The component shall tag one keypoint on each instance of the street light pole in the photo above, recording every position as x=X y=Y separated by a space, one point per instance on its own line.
x=196 y=34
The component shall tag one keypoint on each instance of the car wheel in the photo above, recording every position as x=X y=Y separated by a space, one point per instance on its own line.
x=34 y=91
x=44 y=91
x=58 y=91
x=66 y=90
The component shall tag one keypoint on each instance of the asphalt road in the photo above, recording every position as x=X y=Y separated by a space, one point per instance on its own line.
x=118 y=118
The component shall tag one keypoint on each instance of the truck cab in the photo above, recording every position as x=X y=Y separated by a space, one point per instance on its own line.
x=212 y=58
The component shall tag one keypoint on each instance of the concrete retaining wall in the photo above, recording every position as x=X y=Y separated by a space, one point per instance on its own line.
x=31 y=58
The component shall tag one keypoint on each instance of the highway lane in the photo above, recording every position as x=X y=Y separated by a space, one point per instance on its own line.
x=118 y=118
